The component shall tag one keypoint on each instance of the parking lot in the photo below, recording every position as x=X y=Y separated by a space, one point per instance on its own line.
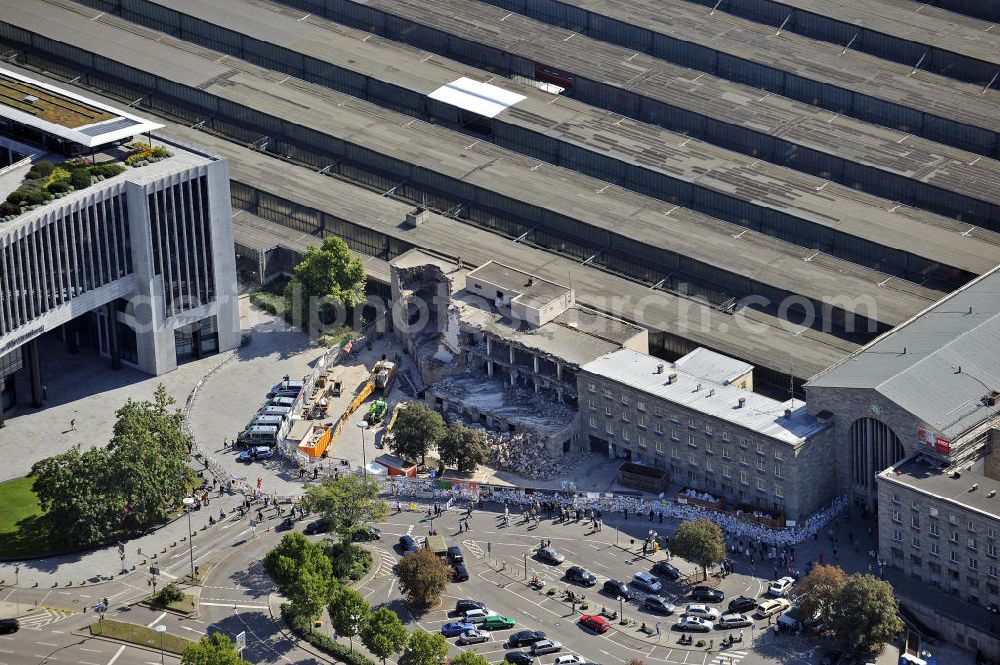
x=502 y=563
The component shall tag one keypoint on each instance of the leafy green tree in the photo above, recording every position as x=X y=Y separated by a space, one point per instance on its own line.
x=701 y=542
x=70 y=485
x=819 y=592
x=423 y=576
x=282 y=563
x=349 y=612
x=463 y=447
x=418 y=428
x=329 y=272
x=384 y=634
x=216 y=649
x=303 y=571
x=866 y=613
x=425 y=648
x=469 y=658
x=347 y=503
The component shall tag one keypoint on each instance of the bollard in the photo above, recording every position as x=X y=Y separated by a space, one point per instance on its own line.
x=55 y=584
x=70 y=583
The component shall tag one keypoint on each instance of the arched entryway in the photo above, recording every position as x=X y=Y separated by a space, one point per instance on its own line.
x=874 y=448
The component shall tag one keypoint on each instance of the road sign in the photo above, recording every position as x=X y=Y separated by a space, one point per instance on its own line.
x=241 y=640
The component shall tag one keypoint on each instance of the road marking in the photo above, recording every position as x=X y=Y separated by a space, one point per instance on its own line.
x=193 y=630
x=166 y=574
x=388 y=593
x=241 y=607
x=87 y=662
x=90 y=650
x=156 y=620
x=117 y=653
x=47 y=644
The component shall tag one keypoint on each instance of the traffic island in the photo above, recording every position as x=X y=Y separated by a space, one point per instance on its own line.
x=138 y=635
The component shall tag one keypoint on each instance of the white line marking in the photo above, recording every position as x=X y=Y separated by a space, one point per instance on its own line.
x=241 y=607
x=117 y=653
x=156 y=620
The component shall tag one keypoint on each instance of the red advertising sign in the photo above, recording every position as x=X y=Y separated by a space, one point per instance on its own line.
x=942 y=445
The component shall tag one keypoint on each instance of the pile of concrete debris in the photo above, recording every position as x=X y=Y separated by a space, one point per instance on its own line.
x=522 y=453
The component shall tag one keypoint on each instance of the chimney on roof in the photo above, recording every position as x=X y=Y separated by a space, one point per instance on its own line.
x=531 y=281
x=697 y=387
x=992 y=398
x=671 y=378
x=992 y=493
x=956 y=474
x=742 y=402
x=974 y=487
x=711 y=391
x=788 y=413
x=417 y=216
x=659 y=368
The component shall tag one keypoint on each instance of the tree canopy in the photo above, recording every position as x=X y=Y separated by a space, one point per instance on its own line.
x=349 y=612
x=469 y=658
x=701 y=542
x=347 y=503
x=818 y=593
x=303 y=571
x=423 y=576
x=384 y=634
x=134 y=482
x=215 y=649
x=425 y=648
x=330 y=272
x=418 y=428
x=866 y=613
x=463 y=447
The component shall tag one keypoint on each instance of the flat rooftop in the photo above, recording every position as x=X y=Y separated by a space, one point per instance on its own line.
x=713 y=366
x=759 y=414
x=927 y=477
x=764 y=340
x=531 y=290
x=68 y=115
x=625 y=216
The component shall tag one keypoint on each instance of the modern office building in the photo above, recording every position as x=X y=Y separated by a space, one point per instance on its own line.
x=135 y=260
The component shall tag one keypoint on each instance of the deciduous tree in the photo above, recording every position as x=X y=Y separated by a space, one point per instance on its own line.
x=425 y=648
x=469 y=658
x=701 y=542
x=384 y=634
x=216 y=649
x=866 y=614
x=330 y=273
x=423 y=576
x=349 y=612
x=463 y=447
x=819 y=591
x=347 y=503
x=418 y=428
x=303 y=571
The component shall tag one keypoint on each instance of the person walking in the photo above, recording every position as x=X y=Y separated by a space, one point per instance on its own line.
x=72 y=424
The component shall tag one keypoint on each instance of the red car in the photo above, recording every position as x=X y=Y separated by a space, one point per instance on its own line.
x=595 y=623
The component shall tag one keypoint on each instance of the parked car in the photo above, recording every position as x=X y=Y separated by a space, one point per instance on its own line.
x=498 y=623
x=707 y=594
x=8 y=626
x=545 y=646
x=568 y=659
x=617 y=588
x=598 y=624
x=694 y=624
x=666 y=569
x=479 y=616
x=658 y=604
x=365 y=534
x=703 y=611
x=734 y=620
x=255 y=454
x=647 y=582
x=518 y=658
x=743 y=604
x=580 y=576
x=455 y=554
x=771 y=607
x=464 y=605
x=407 y=544
x=550 y=555
x=459 y=573
x=780 y=588
x=524 y=638
x=318 y=526
x=454 y=628
x=285 y=525
x=474 y=636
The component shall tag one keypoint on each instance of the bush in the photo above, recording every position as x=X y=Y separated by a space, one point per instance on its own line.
x=700 y=643
x=302 y=626
x=106 y=170
x=36 y=196
x=80 y=178
x=160 y=152
x=170 y=594
x=58 y=186
x=349 y=561
x=42 y=169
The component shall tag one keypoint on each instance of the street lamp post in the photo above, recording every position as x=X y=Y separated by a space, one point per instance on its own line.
x=363 y=425
x=621 y=609
x=189 y=502
x=161 y=629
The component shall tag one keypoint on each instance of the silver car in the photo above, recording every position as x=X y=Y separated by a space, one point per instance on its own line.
x=733 y=620
x=474 y=636
x=545 y=646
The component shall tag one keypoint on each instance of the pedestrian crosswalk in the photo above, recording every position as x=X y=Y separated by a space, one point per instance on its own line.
x=728 y=658
x=473 y=546
x=44 y=616
x=387 y=561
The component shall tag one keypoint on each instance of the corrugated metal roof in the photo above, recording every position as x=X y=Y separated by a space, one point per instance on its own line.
x=938 y=365
x=713 y=366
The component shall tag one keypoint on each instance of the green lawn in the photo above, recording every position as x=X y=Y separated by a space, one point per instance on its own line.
x=135 y=634
x=22 y=532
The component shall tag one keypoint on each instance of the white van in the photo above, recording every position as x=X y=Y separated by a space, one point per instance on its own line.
x=281 y=411
x=281 y=401
x=274 y=420
x=257 y=435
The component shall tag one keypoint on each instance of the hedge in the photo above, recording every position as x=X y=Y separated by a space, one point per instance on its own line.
x=303 y=627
